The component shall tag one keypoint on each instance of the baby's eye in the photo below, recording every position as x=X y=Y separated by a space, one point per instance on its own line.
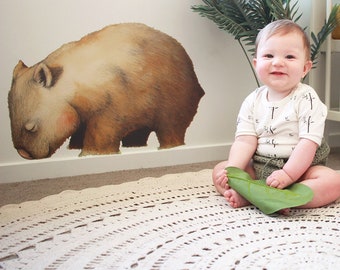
x=268 y=55
x=290 y=56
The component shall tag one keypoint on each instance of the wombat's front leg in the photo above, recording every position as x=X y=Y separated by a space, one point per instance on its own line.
x=101 y=137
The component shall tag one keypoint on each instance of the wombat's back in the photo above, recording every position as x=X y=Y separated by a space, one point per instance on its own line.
x=131 y=50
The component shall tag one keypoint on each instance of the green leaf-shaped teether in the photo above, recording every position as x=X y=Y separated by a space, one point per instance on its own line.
x=264 y=197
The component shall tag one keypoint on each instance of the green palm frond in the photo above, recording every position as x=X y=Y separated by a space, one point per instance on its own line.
x=243 y=19
x=224 y=14
x=321 y=37
x=283 y=10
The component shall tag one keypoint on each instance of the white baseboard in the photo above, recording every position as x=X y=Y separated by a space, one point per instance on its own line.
x=51 y=168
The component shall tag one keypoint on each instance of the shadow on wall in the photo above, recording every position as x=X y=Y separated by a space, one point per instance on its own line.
x=115 y=85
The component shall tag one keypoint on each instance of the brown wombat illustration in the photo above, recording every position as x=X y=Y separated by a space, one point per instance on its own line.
x=115 y=85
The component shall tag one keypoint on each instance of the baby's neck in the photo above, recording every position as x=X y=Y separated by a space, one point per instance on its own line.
x=274 y=95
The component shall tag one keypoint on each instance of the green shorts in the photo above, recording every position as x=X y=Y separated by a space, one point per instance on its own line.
x=264 y=166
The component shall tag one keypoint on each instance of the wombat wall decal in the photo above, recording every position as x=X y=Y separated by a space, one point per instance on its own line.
x=115 y=85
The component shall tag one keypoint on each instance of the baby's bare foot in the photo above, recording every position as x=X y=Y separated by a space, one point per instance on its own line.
x=235 y=200
x=284 y=212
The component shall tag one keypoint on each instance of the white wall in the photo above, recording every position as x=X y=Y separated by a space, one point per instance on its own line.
x=317 y=76
x=30 y=30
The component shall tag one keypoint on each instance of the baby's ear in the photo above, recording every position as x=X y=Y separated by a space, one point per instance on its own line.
x=254 y=62
x=307 y=67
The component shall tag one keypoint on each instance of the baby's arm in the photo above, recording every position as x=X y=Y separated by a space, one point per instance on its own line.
x=242 y=151
x=240 y=155
x=297 y=164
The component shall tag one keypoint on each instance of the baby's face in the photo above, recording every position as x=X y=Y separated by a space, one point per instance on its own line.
x=281 y=62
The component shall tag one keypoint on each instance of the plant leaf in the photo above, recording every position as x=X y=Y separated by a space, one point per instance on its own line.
x=228 y=18
x=321 y=37
x=268 y=199
x=243 y=19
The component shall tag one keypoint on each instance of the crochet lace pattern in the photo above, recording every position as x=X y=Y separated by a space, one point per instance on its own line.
x=177 y=221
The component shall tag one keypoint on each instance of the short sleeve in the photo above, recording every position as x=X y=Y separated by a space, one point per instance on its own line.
x=312 y=115
x=245 y=120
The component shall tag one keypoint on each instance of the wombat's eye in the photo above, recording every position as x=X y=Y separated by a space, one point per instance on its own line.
x=31 y=126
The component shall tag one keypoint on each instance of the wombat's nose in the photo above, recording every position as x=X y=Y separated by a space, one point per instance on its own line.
x=24 y=154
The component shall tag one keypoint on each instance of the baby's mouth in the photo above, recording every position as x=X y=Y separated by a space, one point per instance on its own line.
x=277 y=73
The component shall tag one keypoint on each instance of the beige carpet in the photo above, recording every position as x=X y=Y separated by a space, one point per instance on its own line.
x=177 y=221
x=35 y=190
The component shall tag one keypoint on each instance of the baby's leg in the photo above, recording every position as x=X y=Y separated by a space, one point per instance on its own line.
x=235 y=199
x=325 y=184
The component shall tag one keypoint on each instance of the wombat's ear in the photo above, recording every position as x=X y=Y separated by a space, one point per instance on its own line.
x=19 y=67
x=42 y=75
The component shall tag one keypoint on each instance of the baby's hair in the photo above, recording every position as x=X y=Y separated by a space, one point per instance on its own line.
x=283 y=27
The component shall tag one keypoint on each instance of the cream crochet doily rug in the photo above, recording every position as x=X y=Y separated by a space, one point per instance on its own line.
x=173 y=222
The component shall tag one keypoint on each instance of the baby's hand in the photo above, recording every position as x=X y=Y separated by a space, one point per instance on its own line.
x=222 y=179
x=279 y=179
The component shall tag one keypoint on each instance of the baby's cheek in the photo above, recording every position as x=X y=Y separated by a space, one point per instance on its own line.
x=260 y=69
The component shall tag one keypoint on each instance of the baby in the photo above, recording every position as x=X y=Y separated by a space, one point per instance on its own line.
x=280 y=126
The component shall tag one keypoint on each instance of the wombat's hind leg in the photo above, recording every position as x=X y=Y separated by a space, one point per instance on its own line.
x=137 y=138
x=170 y=138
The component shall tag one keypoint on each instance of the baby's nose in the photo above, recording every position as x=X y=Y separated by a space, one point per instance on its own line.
x=277 y=61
